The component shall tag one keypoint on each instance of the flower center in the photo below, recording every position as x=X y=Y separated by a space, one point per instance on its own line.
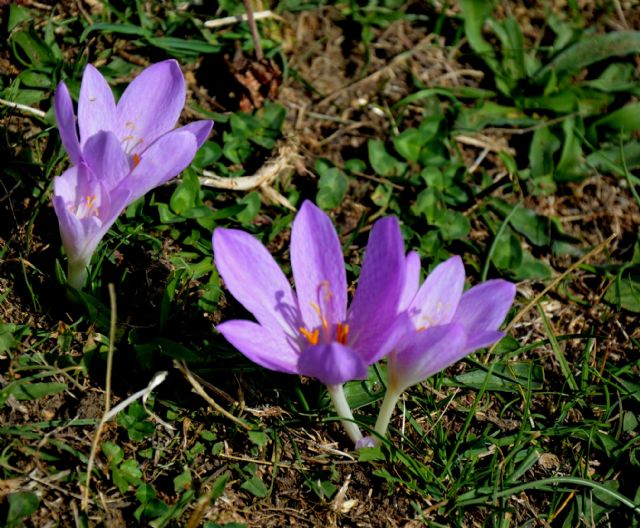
x=325 y=331
x=130 y=141
x=86 y=208
x=442 y=312
x=342 y=331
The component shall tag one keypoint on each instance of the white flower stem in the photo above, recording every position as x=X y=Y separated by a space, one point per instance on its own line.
x=343 y=410
x=76 y=274
x=386 y=410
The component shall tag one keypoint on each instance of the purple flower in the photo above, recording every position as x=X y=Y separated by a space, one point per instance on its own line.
x=148 y=109
x=311 y=331
x=440 y=325
x=123 y=151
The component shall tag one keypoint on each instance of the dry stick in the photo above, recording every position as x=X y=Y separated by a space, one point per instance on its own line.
x=112 y=337
x=157 y=379
x=261 y=180
x=254 y=30
x=225 y=21
x=107 y=395
x=24 y=108
x=182 y=367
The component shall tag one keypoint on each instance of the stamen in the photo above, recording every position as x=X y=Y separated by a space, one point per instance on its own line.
x=136 y=159
x=317 y=309
x=312 y=337
x=342 y=332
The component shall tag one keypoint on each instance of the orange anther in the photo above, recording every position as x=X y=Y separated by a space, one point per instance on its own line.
x=342 y=332
x=136 y=160
x=312 y=337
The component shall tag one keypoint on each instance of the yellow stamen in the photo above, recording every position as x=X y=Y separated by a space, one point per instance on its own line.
x=342 y=332
x=312 y=337
x=317 y=309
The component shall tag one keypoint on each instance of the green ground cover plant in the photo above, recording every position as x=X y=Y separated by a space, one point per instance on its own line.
x=503 y=132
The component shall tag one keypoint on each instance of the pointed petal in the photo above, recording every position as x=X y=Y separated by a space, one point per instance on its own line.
x=318 y=267
x=163 y=160
x=96 y=105
x=66 y=120
x=81 y=235
x=375 y=303
x=200 y=129
x=65 y=185
x=437 y=299
x=485 y=306
x=261 y=345
x=252 y=276
x=411 y=279
x=106 y=159
x=71 y=231
x=482 y=340
x=150 y=106
x=332 y=364
x=422 y=354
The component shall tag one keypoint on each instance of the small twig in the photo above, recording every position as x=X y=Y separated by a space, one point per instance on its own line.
x=157 y=379
x=261 y=180
x=182 y=367
x=23 y=108
x=479 y=160
x=483 y=142
x=532 y=128
x=254 y=30
x=112 y=337
x=107 y=394
x=226 y=21
x=108 y=414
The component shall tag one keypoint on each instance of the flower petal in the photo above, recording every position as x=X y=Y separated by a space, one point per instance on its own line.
x=255 y=280
x=71 y=231
x=485 y=306
x=106 y=159
x=200 y=129
x=421 y=354
x=150 y=106
x=318 y=268
x=482 y=340
x=261 y=345
x=332 y=364
x=437 y=299
x=163 y=160
x=96 y=105
x=382 y=279
x=81 y=235
x=411 y=279
x=66 y=120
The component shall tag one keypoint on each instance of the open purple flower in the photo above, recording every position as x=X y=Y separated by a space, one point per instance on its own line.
x=89 y=197
x=123 y=151
x=440 y=325
x=311 y=331
x=148 y=110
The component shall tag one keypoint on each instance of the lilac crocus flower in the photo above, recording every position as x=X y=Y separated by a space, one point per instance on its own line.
x=440 y=325
x=148 y=109
x=123 y=151
x=311 y=331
